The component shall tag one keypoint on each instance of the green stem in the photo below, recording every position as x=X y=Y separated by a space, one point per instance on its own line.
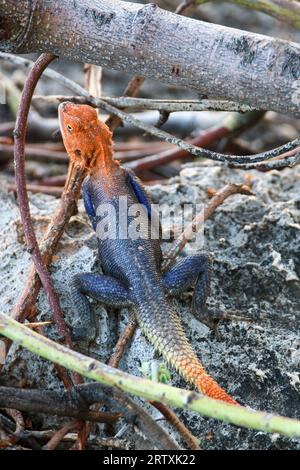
x=287 y=11
x=176 y=397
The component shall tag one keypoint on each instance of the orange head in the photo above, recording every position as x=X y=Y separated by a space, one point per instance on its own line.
x=88 y=140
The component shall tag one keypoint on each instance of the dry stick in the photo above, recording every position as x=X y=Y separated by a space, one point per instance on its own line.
x=75 y=403
x=46 y=155
x=152 y=130
x=53 y=403
x=17 y=416
x=92 y=79
x=205 y=138
x=60 y=434
x=7 y=425
x=185 y=433
x=290 y=159
x=32 y=245
x=35 y=154
x=184 y=5
x=205 y=214
x=122 y=343
x=233 y=123
x=131 y=90
x=38 y=188
x=71 y=437
x=142 y=104
x=142 y=39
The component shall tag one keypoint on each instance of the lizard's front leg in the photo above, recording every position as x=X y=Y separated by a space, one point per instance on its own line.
x=105 y=289
x=192 y=270
x=88 y=203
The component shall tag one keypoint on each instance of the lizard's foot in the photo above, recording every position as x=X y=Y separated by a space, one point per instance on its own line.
x=191 y=271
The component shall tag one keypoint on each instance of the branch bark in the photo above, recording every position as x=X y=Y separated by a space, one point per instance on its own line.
x=218 y=62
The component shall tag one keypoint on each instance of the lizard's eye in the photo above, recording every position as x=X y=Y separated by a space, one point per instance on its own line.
x=69 y=128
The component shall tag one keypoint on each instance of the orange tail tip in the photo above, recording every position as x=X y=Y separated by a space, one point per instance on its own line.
x=209 y=387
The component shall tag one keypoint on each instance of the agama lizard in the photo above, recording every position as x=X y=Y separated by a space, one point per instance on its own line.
x=131 y=266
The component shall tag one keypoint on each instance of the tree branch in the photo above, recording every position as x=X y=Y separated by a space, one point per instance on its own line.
x=19 y=154
x=177 y=397
x=152 y=130
x=217 y=61
x=142 y=104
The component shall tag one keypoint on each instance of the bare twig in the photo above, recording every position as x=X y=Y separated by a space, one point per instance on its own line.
x=32 y=245
x=290 y=159
x=36 y=154
x=172 y=418
x=200 y=218
x=122 y=343
x=38 y=188
x=66 y=403
x=233 y=123
x=75 y=403
x=131 y=90
x=7 y=425
x=128 y=332
x=16 y=415
x=142 y=104
x=184 y=5
x=205 y=138
x=71 y=437
x=92 y=79
x=60 y=434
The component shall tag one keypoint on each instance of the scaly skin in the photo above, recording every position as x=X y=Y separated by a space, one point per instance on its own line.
x=131 y=267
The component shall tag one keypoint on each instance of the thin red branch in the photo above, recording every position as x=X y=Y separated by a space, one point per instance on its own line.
x=122 y=343
x=20 y=135
x=60 y=434
x=132 y=90
x=206 y=138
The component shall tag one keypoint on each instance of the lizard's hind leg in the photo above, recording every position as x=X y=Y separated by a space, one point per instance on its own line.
x=105 y=289
x=190 y=271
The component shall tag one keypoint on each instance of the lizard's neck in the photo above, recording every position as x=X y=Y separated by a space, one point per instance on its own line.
x=103 y=163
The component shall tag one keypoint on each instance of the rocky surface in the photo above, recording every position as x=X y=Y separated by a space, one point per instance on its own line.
x=253 y=350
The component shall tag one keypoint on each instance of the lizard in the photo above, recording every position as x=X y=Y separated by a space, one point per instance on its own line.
x=131 y=266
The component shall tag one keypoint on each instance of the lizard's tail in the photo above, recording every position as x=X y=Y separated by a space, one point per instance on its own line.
x=162 y=327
